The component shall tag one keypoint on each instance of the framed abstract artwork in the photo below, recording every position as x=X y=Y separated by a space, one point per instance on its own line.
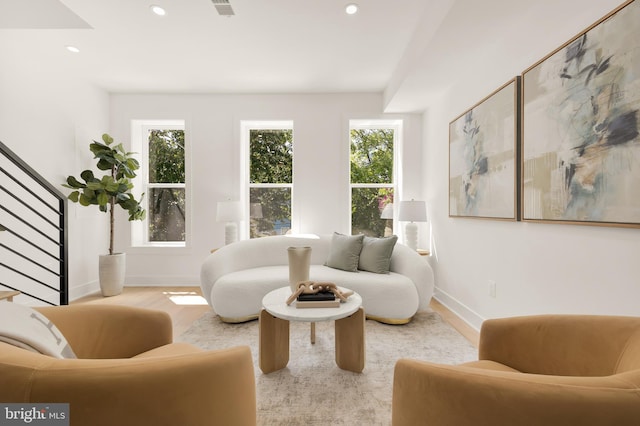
x=580 y=141
x=483 y=144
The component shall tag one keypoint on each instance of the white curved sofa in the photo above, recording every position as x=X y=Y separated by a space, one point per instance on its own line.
x=236 y=277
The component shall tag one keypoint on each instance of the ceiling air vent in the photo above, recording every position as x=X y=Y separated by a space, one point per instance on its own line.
x=223 y=7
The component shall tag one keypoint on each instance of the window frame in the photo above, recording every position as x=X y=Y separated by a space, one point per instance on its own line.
x=378 y=124
x=246 y=126
x=140 y=229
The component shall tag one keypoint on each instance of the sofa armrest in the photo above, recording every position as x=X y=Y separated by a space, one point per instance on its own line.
x=408 y=262
x=193 y=388
x=426 y=393
x=110 y=331
x=571 y=345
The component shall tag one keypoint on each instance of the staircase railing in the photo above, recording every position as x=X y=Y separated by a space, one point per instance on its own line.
x=33 y=233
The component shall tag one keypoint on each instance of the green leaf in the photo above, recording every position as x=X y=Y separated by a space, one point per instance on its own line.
x=106 y=180
x=74 y=196
x=97 y=148
x=87 y=175
x=107 y=139
x=94 y=186
x=127 y=172
x=84 y=200
x=129 y=203
x=89 y=194
x=103 y=198
x=137 y=214
x=104 y=164
x=73 y=183
x=122 y=197
x=133 y=164
x=112 y=186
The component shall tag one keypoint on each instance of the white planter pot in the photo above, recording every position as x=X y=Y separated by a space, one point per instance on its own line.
x=111 y=269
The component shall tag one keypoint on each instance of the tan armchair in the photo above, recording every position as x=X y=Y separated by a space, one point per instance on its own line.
x=538 y=370
x=129 y=372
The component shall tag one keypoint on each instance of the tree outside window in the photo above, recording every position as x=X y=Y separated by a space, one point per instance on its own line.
x=372 y=186
x=270 y=181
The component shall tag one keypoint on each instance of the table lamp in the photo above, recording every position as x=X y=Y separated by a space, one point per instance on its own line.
x=255 y=211
x=412 y=211
x=229 y=212
x=387 y=214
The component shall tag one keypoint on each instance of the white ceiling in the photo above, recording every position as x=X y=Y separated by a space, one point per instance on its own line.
x=412 y=51
x=275 y=46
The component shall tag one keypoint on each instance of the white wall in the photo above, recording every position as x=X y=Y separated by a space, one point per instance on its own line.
x=48 y=119
x=538 y=268
x=321 y=166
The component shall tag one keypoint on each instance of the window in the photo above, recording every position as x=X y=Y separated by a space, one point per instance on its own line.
x=372 y=176
x=162 y=178
x=270 y=177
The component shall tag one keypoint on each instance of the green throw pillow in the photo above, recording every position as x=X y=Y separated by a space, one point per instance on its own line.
x=376 y=254
x=345 y=252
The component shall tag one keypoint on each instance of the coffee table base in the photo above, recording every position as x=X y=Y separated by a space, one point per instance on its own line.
x=274 y=342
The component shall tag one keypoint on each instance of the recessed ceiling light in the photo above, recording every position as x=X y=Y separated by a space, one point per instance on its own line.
x=73 y=49
x=351 y=9
x=157 y=10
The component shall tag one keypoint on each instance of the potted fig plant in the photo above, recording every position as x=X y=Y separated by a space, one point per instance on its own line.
x=114 y=187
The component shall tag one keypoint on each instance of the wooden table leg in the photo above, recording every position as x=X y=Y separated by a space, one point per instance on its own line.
x=350 y=346
x=274 y=342
x=313 y=333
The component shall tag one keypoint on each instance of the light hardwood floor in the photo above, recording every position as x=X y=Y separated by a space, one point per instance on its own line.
x=186 y=304
x=183 y=304
x=456 y=322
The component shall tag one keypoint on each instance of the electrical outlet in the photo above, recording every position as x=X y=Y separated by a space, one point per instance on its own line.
x=492 y=288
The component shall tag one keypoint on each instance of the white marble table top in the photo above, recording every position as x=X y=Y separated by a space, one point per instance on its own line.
x=275 y=302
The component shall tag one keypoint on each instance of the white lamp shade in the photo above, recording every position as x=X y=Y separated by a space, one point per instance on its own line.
x=413 y=211
x=228 y=211
x=387 y=212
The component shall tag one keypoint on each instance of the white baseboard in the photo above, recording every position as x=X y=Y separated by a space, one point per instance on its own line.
x=460 y=309
x=93 y=287
x=83 y=290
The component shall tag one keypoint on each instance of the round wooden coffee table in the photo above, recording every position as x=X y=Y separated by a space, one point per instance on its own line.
x=274 y=330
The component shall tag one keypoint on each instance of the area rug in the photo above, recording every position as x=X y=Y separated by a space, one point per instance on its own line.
x=312 y=390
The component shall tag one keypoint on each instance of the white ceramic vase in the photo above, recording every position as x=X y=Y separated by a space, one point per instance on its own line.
x=299 y=264
x=111 y=269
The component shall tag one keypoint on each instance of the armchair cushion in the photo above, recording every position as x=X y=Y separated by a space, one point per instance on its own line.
x=110 y=331
x=150 y=381
x=538 y=370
